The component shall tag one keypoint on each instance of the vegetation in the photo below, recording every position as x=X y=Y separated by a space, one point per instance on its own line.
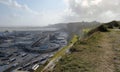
x=80 y=58
x=60 y=53
x=98 y=52
x=105 y=27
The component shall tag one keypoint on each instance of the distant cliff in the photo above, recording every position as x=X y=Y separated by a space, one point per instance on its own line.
x=75 y=27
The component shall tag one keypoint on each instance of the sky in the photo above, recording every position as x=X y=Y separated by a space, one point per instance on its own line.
x=47 y=12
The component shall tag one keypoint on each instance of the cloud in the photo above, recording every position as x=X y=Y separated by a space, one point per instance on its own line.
x=15 y=4
x=43 y=19
x=91 y=10
x=75 y=10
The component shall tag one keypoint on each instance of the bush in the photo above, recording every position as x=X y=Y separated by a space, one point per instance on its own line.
x=103 y=28
x=73 y=49
x=110 y=26
x=115 y=23
x=119 y=27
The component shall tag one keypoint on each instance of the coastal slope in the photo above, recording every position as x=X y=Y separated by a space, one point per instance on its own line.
x=98 y=52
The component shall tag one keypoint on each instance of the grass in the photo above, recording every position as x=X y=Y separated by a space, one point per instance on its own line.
x=62 y=51
x=83 y=59
x=59 y=53
x=86 y=30
x=98 y=53
x=95 y=53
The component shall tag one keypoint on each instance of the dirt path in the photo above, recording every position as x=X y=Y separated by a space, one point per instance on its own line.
x=109 y=42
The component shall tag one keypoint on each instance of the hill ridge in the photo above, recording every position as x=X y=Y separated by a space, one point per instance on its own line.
x=98 y=52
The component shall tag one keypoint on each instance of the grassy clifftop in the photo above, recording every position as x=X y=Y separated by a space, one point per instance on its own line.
x=98 y=52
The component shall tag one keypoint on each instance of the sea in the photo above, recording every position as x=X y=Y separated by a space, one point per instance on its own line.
x=2 y=29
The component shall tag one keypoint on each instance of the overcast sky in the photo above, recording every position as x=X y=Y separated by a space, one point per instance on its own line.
x=45 y=12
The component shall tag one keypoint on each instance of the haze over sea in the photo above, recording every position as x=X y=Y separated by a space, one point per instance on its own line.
x=26 y=29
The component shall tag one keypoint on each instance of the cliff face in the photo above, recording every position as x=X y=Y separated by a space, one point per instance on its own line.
x=98 y=52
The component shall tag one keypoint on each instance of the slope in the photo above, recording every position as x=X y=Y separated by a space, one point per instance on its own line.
x=100 y=52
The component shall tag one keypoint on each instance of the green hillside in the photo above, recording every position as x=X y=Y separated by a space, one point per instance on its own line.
x=99 y=51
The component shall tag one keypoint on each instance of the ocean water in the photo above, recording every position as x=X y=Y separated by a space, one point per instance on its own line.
x=26 y=29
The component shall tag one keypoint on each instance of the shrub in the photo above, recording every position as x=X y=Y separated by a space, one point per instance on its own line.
x=103 y=28
x=73 y=49
x=110 y=26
